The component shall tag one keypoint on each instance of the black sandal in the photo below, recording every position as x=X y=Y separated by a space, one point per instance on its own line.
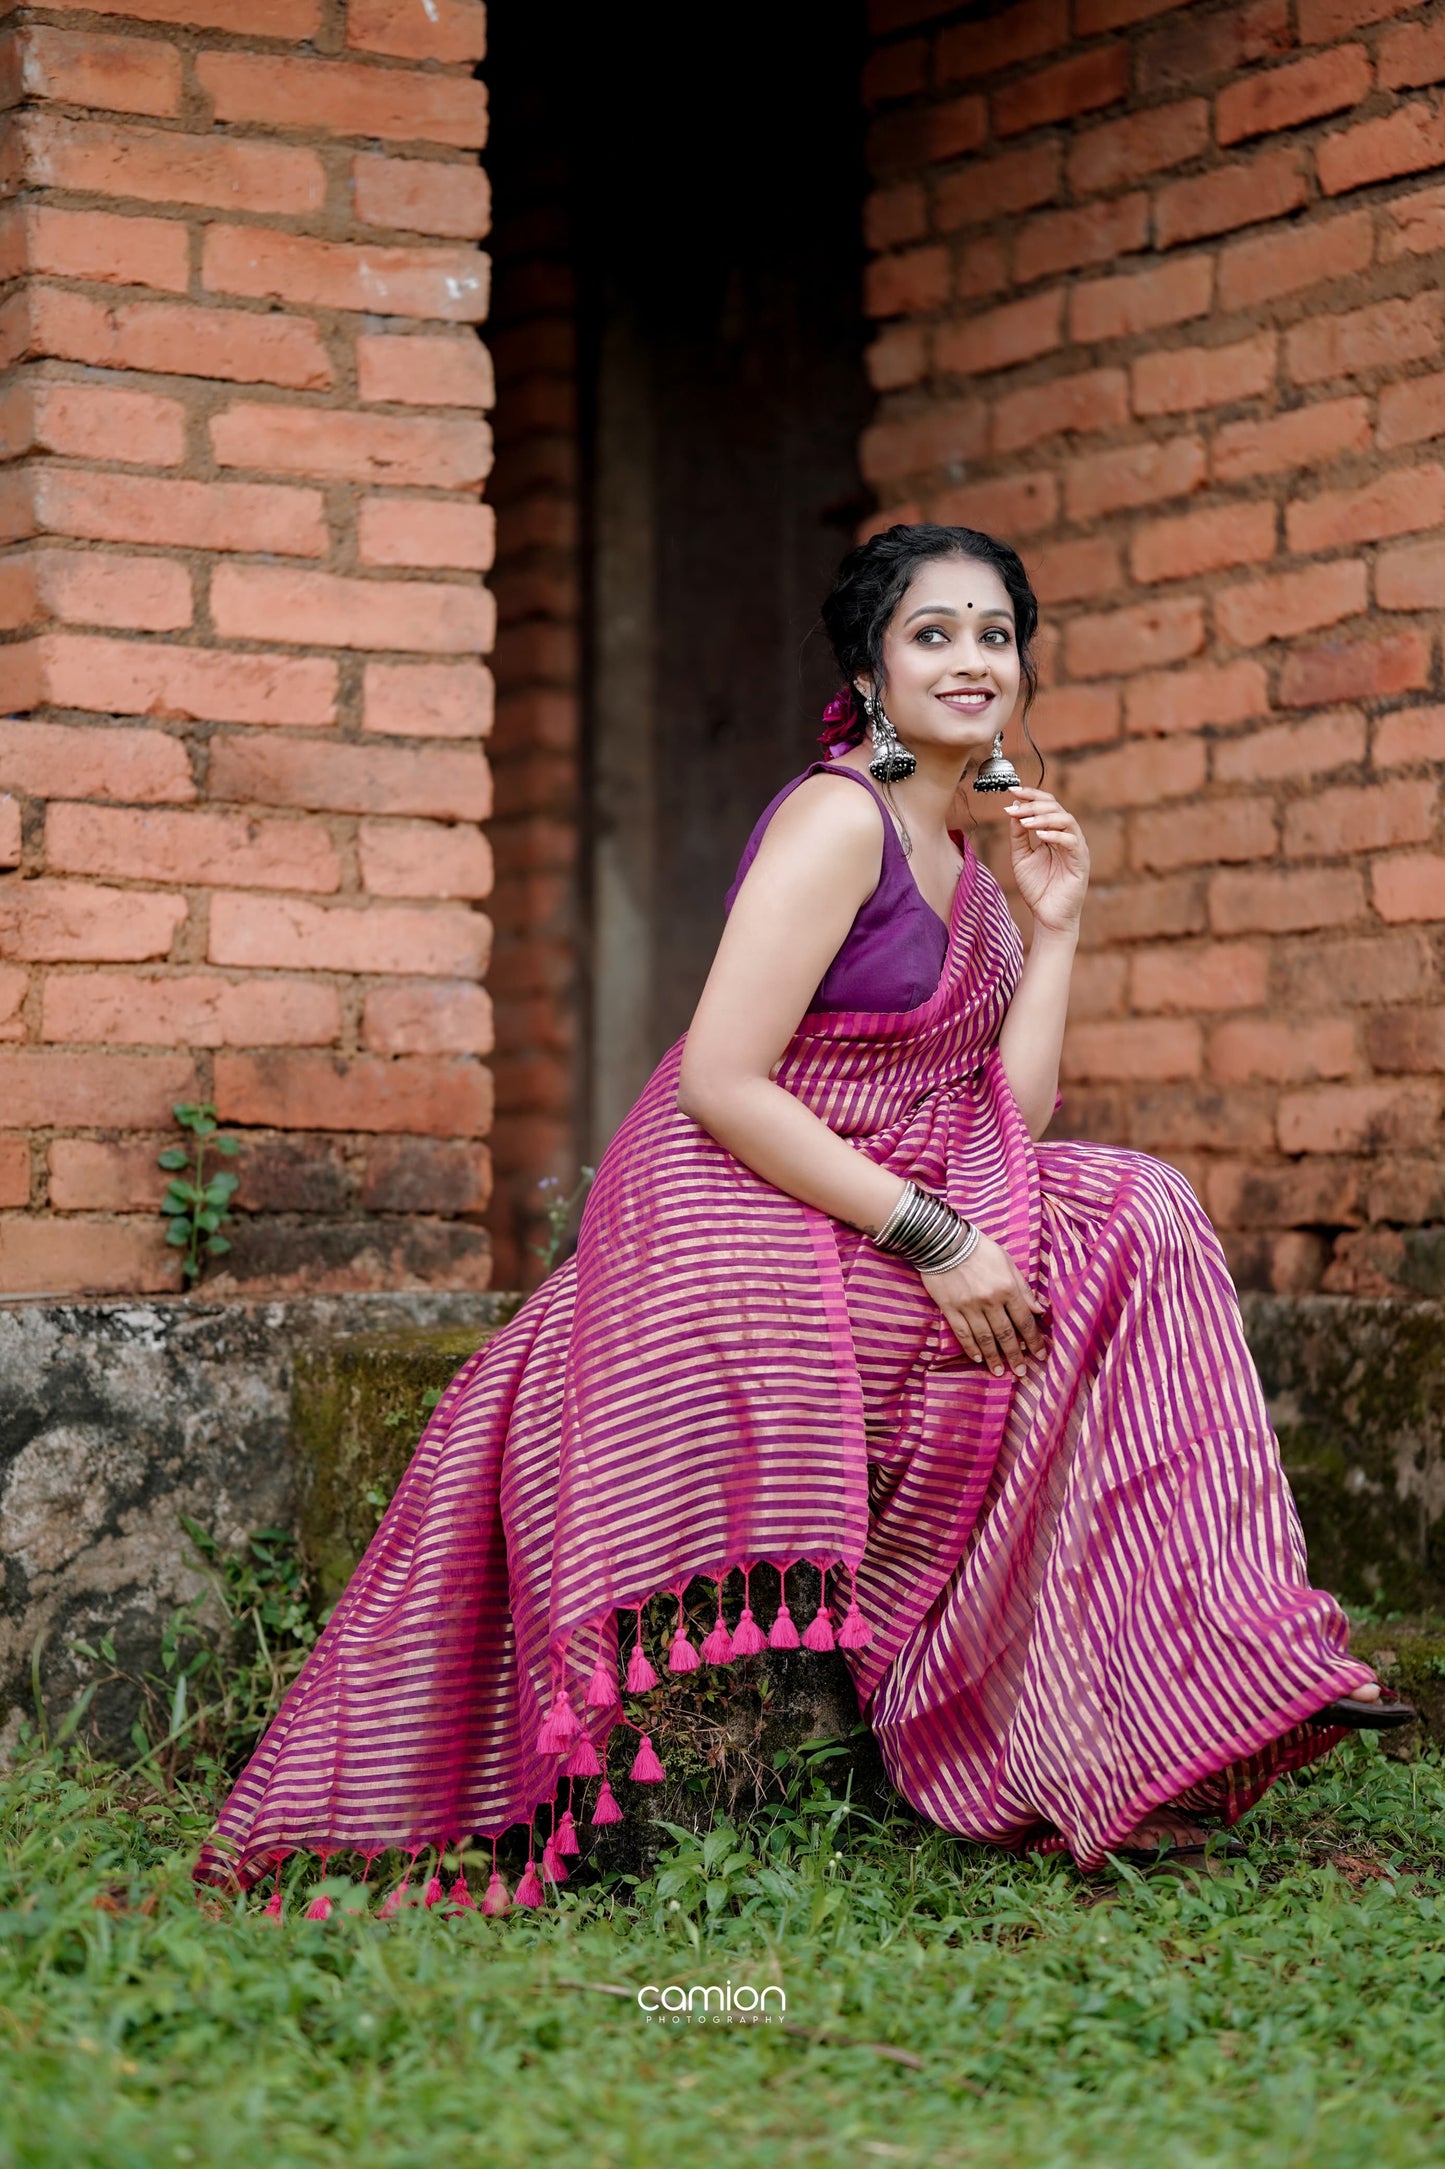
x=1356 y=1716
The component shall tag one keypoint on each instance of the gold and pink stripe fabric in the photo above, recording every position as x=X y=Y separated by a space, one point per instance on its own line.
x=1086 y=1592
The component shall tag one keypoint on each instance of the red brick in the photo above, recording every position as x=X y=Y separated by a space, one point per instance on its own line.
x=173 y=339
x=1379 y=968
x=1094 y=15
x=1411 y=579
x=1126 y=150
x=14 y=1171
x=10 y=836
x=89 y=422
x=1413 y=54
x=41 y=1089
x=1022 y=504
x=1409 y=887
x=1286 y=603
x=190 y=849
x=421 y=531
x=121 y=75
x=1267 y=187
x=1025 y=31
x=1168 y=1118
x=137 y=594
x=1380 y=337
x=1146 y=910
x=194 y=515
x=1411 y=736
x=981 y=269
x=1371 y=817
x=914 y=283
x=293 y=19
x=1133 y=1047
x=413 y=1094
x=1117 y=308
x=897 y=357
x=417 y=195
x=85 y=1257
x=86 y=1176
x=449 y=784
x=988 y=188
x=428 y=700
x=1283 y=1052
x=895 y=71
x=1074 y=571
x=1358 y=1118
x=422 y=452
x=1355 y=670
x=425 y=1175
x=159 y=166
x=318 y=609
x=1096 y=987
x=1192 y=48
x=1312 y=1190
x=891 y=216
x=1305 y=437
x=1139 y=773
x=40 y=239
x=1268 y=265
x=1142 y=638
x=47 y=760
x=70 y=921
x=1098 y=399
x=445 y=30
x=1058 y=241
x=447 y=1016
x=1075 y=715
x=286 y=934
x=1412 y=412
x=1391 y=504
x=1286 y=97
x=1408 y=141
x=1206 y=541
x=420 y=858
x=1217 y=975
x=128 y=677
x=1001 y=338
x=192 y=1009
x=1136 y=474
x=952 y=130
x=1414 y=225
x=1191 y=700
x=1293 y=749
x=1081 y=84
x=1222 y=830
x=1322 y=21
x=1405 y=1040
x=944 y=433
x=420 y=372
x=450 y=284
x=1284 y=901
x=336 y=97
x=1184 y=379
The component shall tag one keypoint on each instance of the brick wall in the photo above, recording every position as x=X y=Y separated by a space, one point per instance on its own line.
x=1157 y=292
x=244 y=621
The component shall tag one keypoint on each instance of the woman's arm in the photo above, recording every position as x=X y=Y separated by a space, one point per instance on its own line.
x=1051 y=869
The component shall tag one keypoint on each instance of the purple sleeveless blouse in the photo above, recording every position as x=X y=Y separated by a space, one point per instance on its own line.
x=892 y=956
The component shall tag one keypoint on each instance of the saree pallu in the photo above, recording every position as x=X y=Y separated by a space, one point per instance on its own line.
x=1065 y=1600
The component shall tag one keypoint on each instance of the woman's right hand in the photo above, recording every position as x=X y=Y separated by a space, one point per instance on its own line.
x=987 y=1302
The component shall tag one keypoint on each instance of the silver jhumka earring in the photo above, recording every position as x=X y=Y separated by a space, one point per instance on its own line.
x=891 y=760
x=998 y=772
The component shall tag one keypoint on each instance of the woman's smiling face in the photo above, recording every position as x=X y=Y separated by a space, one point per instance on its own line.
x=951 y=659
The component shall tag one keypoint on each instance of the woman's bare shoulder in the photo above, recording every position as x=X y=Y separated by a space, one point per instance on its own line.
x=828 y=813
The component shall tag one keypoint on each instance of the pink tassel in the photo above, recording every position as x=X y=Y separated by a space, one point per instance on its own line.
x=495 y=1899
x=559 y=1728
x=392 y=1904
x=783 y=1634
x=432 y=1895
x=604 y=1807
x=566 y=1838
x=582 y=1762
x=646 y=1769
x=274 y=1908
x=553 y=1864
x=640 y=1675
x=319 y=1908
x=602 y=1688
x=682 y=1657
x=748 y=1638
x=529 y=1891
x=718 y=1646
x=818 y=1634
x=855 y=1632
x=461 y=1899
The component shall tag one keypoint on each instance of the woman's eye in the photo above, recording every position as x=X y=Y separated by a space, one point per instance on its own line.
x=997 y=633
x=931 y=634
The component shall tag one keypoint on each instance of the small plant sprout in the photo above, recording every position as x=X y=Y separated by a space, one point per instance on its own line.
x=559 y=1206
x=195 y=1204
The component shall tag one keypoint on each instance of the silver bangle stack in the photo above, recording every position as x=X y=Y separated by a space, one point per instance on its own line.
x=927 y=1231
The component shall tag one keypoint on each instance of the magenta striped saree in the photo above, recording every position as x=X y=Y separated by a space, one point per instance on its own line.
x=1065 y=1601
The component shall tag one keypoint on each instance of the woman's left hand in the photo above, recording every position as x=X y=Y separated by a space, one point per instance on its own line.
x=1050 y=858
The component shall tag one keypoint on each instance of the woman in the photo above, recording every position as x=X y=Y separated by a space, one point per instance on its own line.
x=833 y=1303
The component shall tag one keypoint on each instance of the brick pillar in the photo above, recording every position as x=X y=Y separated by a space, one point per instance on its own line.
x=241 y=422
x=1158 y=298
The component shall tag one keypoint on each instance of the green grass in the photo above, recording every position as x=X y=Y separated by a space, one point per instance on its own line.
x=1285 y=2010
